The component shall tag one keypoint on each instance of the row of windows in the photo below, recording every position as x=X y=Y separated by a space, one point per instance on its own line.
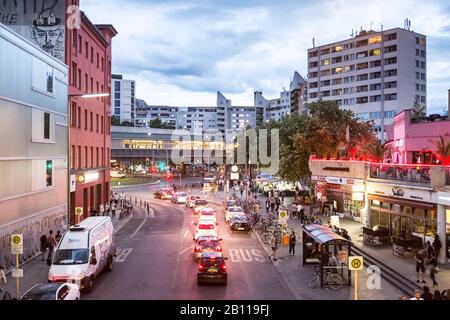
x=357 y=44
x=375 y=115
x=77 y=80
x=421 y=76
x=420 y=64
x=88 y=157
x=77 y=118
x=349 y=68
x=78 y=44
x=420 y=87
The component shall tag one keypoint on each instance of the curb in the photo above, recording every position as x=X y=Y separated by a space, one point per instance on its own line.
x=137 y=185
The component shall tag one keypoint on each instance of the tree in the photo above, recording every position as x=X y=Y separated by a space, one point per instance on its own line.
x=376 y=151
x=443 y=149
x=158 y=124
x=419 y=110
x=115 y=121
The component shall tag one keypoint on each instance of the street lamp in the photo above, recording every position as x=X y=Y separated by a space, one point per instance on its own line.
x=69 y=120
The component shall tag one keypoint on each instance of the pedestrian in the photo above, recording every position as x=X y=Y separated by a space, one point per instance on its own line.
x=430 y=250
x=267 y=205
x=2 y=275
x=437 y=245
x=437 y=295
x=433 y=269
x=292 y=241
x=426 y=295
x=102 y=210
x=272 y=205
x=420 y=257
x=51 y=244
x=43 y=241
x=58 y=236
x=274 y=246
x=417 y=295
x=282 y=196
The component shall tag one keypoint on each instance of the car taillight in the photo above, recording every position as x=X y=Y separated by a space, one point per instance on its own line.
x=198 y=248
x=218 y=248
x=200 y=267
x=223 y=268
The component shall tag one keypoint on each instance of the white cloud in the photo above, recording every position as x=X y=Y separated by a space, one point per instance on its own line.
x=182 y=53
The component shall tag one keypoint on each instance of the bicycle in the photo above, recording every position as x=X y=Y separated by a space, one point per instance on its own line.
x=331 y=279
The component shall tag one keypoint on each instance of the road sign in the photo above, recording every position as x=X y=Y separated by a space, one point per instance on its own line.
x=282 y=217
x=355 y=263
x=17 y=273
x=79 y=211
x=17 y=244
x=234 y=176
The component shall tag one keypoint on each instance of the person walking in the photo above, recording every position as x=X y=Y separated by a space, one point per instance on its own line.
x=433 y=270
x=267 y=205
x=430 y=250
x=51 y=244
x=420 y=264
x=426 y=295
x=58 y=236
x=437 y=245
x=274 y=246
x=43 y=241
x=292 y=241
x=2 y=275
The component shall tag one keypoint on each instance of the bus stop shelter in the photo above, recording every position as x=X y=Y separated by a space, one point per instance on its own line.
x=324 y=248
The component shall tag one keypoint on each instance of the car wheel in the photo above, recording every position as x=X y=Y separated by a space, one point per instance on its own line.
x=109 y=266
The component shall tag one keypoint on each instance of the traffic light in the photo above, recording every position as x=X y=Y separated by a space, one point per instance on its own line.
x=49 y=173
x=162 y=166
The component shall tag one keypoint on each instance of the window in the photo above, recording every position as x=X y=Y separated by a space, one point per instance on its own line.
x=86 y=52
x=313 y=64
x=362 y=77
x=79 y=117
x=375 y=98
x=325 y=51
x=423 y=88
x=422 y=99
x=390 y=73
x=107 y=156
x=389 y=114
x=49 y=173
x=73 y=157
x=92 y=157
x=349 y=57
x=337 y=48
x=362 y=43
x=325 y=83
x=43 y=127
x=313 y=75
x=349 y=90
x=326 y=72
x=376 y=63
x=362 y=89
x=390 y=85
x=96 y=120
x=74 y=74
x=325 y=94
x=375 y=75
x=336 y=81
x=86 y=81
x=349 y=102
x=390 y=61
x=374 y=40
x=417 y=87
x=375 y=52
x=97 y=157
x=417 y=53
x=108 y=126
x=348 y=46
x=79 y=157
x=86 y=158
x=422 y=53
x=375 y=86
x=73 y=116
x=117 y=103
x=312 y=54
x=325 y=62
x=417 y=75
x=103 y=157
x=102 y=125
x=417 y=64
x=92 y=121
x=337 y=70
x=390 y=49
x=349 y=79
x=391 y=96
x=117 y=86
x=313 y=95
x=98 y=88
x=423 y=64
x=349 y=68
x=98 y=61
x=336 y=92
x=46 y=125
x=312 y=85
x=336 y=60
x=75 y=38
x=423 y=76
x=85 y=119
x=420 y=41
x=362 y=116
x=390 y=37
x=92 y=55
x=92 y=85
x=375 y=115
x=362 y=55
x=362 y=100
x=103 y=64
x=80 y=44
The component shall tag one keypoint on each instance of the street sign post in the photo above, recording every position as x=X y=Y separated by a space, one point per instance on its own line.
x=17 y=249
x=355 y=263
x=282 y=217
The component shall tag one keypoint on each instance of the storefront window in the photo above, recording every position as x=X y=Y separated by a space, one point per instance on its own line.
x=431 y=215
x=430 y=228
x=419 y=213
x=395 y=208
x=407 y=210
x=384 y=219
x=395 y=225
x=406 y=225
x=374 y=217
x=418 y=226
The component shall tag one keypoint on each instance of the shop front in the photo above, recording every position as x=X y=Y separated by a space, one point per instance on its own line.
x=444 y=228
x=406 y=212
x=341 y=195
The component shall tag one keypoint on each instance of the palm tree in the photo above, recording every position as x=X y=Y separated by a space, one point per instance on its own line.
x=418 y=111
x=377 y=151
x=443 y=149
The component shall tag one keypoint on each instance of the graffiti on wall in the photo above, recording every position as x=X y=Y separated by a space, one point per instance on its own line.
x=40 y=21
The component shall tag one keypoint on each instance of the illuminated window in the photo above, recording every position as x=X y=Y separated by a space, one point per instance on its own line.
x=374 y=40
x=375 y=52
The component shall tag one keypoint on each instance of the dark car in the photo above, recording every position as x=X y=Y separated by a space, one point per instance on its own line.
x=240 y=223
x=212 y=269
x=163 y=194
x=5 y=295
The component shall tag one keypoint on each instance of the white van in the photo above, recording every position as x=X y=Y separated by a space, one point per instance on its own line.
x=83 y=252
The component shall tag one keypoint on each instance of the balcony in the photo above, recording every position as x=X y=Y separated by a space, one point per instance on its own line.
x=406 y=173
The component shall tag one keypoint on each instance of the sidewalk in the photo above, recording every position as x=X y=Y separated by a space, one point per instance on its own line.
x=36 y=271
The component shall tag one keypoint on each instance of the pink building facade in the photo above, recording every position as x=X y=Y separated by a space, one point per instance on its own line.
x=412 y=141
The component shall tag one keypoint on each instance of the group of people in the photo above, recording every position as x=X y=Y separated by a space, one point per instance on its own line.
x=427 y=295
x=49 y=242
x=428 y=257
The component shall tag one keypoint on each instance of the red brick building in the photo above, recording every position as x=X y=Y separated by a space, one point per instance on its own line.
x=88 y=55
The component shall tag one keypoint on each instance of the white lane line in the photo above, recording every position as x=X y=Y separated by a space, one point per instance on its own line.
x=152 y=212
x=185 y=234
x=123 y=255
x=185 y=250
x=138 y=228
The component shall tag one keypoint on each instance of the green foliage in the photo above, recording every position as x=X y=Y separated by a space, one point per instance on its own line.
x=158 y=124
x=443 y=149
x=418 y=111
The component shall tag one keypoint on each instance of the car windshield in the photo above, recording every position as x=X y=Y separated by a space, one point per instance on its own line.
x=71 y=256
x=206 y=226
x=200 y=202
x=208 y=244
x=181 y=194
x=208 y=262
x=44 y=292
x=207 y=213
x=237 y=209
x=240 y=220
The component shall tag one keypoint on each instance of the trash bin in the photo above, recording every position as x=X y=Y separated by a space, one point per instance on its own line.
x=286 y=240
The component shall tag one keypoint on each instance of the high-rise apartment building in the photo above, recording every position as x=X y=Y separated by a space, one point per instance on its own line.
x=374 y=74
x=123 y=99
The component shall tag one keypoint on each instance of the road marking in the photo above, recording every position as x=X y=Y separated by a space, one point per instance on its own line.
x=122 y=254
x=185 y=250
x=185 y=234
x=246 y=255
x=138 y=228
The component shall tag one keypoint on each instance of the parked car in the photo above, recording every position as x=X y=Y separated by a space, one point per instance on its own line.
x=212 y=269
x=207 y=243
x=53 y=291
x=84 y=251
x=117 y=174
x=231 y=211
x=240 y=223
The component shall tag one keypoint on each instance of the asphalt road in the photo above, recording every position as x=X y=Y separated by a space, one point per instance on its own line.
x=155 y=260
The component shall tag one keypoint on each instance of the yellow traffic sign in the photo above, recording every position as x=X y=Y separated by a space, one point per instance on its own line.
x=16 y=244
x=355 y=263
x=79 y=211
x=283 y=214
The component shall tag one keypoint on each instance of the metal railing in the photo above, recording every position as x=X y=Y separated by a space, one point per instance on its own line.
x=411 y=173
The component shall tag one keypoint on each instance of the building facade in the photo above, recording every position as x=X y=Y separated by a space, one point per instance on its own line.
x=33 y=144
x=88 y=53
x=299 y=93
x=374 y=74
x=123 y=99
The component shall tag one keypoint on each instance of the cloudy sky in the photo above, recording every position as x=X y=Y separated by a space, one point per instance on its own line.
x=182 y=52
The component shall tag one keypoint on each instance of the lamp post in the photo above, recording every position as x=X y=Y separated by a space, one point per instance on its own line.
x=69 y=120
